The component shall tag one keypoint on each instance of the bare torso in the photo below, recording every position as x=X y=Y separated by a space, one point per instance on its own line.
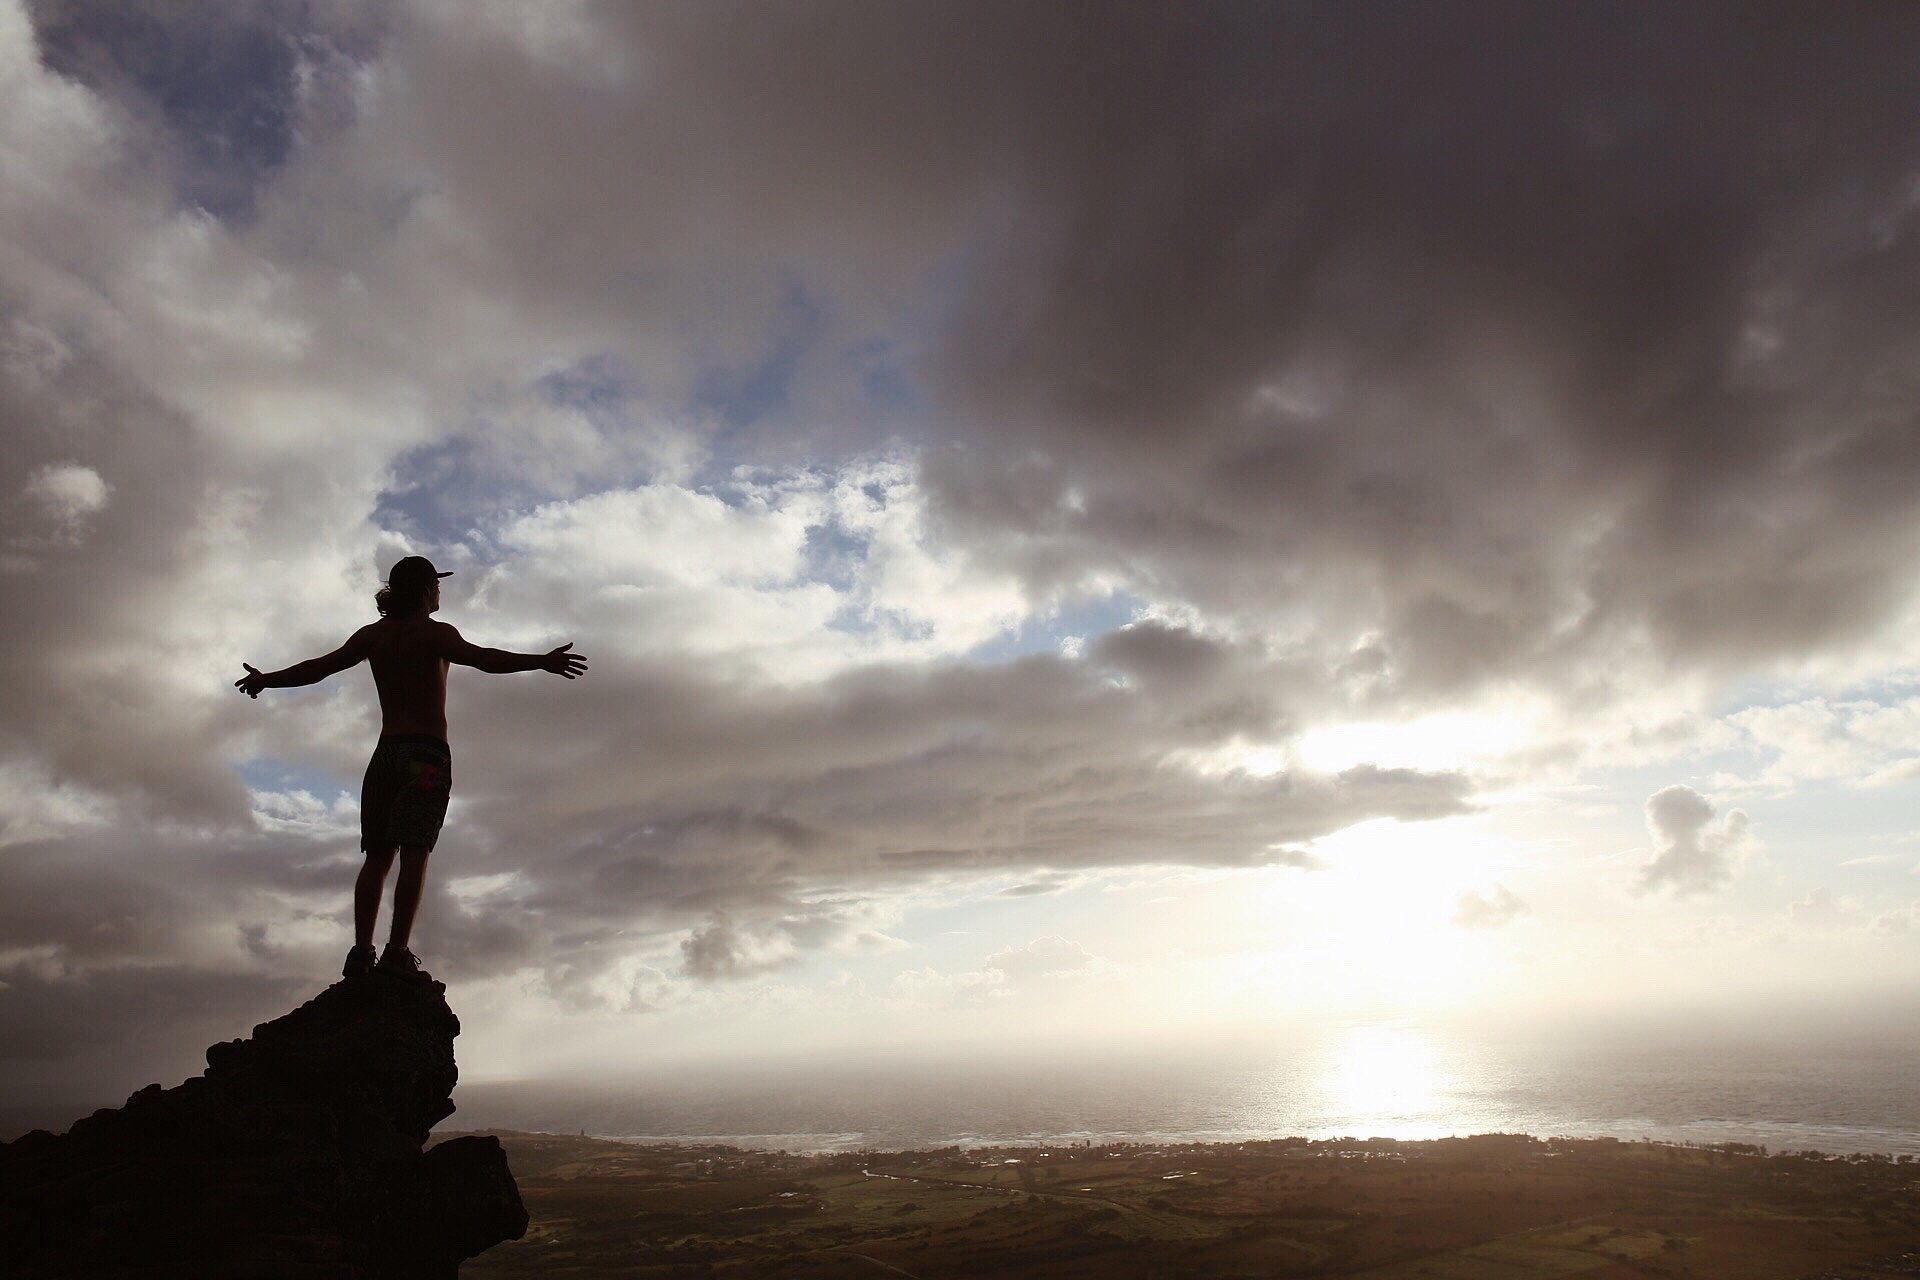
x=410 y=671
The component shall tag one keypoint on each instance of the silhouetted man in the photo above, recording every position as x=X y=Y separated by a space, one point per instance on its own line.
x=403 y=799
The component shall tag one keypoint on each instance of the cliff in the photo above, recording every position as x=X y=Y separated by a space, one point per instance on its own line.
x=297 y=1154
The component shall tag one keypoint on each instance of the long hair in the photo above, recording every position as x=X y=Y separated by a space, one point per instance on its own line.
x=398 y=604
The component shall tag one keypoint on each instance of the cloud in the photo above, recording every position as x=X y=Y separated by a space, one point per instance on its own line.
x=1481 y=911
x=1900 y=920
x=621 y=984
x=1305 y=859
x=1865 y=742
x=1040 y=887
x=1692 y=852
x=1819 y=909
x=68 y=492
x=811 y=384
x=1040 y=958
x=718 y=950
x=726 y=949
x=1213 y=427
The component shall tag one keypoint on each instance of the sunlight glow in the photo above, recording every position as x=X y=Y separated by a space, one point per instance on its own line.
x=1380 y=1079
x=1434 y=742
x=1376 y=926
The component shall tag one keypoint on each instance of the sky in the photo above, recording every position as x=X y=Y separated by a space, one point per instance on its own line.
x=1089 y=522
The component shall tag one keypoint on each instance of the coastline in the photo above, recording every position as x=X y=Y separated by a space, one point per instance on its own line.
x=832 y=1145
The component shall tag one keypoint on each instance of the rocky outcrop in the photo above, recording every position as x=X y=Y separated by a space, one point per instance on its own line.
x=296 y=1155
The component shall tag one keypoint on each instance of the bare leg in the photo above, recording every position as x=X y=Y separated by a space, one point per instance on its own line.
x=366 y=895
x=406 y=893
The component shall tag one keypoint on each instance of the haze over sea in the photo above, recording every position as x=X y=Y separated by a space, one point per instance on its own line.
x=1850 y=1090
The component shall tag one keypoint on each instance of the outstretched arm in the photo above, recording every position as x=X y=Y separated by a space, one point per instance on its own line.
x=501 y=662
x=312 y=671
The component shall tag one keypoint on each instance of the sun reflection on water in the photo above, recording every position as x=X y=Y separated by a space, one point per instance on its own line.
x=1383 y=1080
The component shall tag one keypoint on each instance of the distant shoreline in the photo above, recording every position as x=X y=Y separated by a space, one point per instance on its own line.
x=1785 y=1100
x=1775 y=1138
x=744 y=1144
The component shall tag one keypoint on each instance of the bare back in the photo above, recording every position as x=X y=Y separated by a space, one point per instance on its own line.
x=408 y=657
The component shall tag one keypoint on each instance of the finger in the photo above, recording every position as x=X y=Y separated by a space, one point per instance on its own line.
x=251 y=669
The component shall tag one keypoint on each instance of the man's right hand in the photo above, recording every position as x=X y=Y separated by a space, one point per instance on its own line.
x=562 y=663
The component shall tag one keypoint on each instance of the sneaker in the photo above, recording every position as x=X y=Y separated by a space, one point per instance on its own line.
x=359 y=963
x=399 y=962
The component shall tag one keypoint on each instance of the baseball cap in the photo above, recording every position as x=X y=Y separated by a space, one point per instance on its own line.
x=414 y=570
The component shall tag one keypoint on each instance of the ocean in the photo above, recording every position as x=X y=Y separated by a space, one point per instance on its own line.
x=1858 y=1093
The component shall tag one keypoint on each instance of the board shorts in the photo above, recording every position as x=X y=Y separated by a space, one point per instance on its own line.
x=403 y=798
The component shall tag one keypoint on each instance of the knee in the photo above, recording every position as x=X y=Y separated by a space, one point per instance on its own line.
x=413 y=858
x=378 y=860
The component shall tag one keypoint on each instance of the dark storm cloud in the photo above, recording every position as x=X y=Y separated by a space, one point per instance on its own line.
x=1511 y=334
x=1506 y=338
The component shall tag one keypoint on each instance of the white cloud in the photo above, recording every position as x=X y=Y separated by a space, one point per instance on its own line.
x=34 y=805
x=68 y=491
x=666 y=535
x=1861 y=741
x=1040 y=958
x=1819 y=909
x=301 y=813
x=1900 y=920
x=1692 y=852
x=627 y=984
x=1487 y=911
x=922 y=592
x=799 y=575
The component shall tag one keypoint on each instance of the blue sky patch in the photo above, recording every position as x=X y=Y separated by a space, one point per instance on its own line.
x=1042 y=633
x=269 y=774
x=223 y=91
x=743 y=395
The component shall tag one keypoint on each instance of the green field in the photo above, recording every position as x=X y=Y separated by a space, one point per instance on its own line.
x=1497 y=1207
